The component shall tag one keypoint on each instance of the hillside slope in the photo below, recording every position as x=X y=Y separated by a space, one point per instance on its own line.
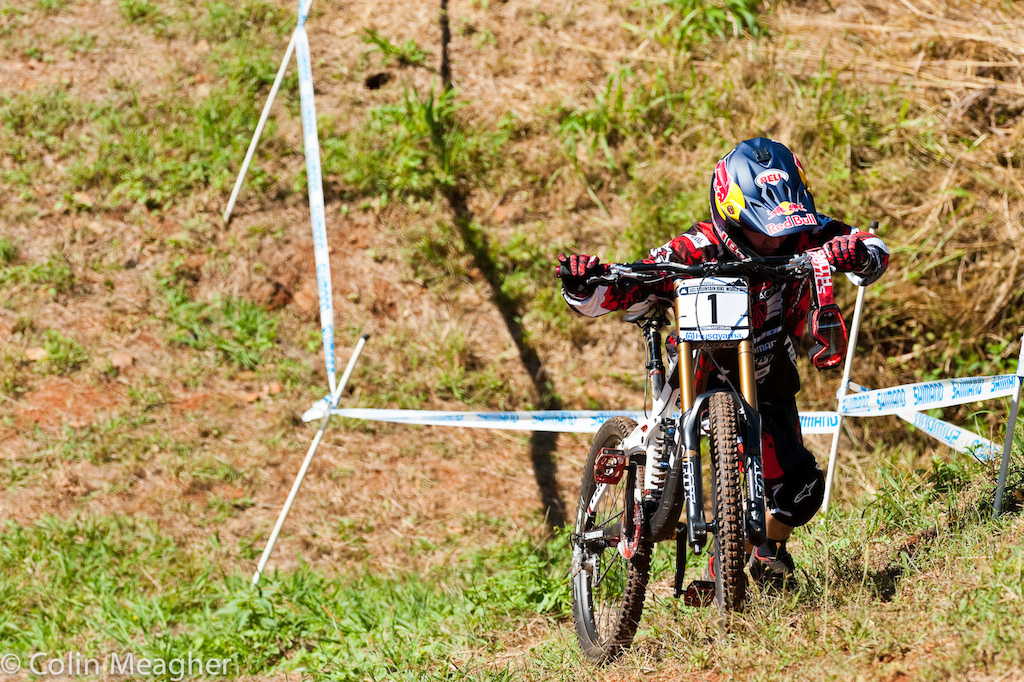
x=153 y=360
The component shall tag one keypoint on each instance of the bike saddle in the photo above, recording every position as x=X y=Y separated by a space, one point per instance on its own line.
x=651 y=311
x=633 y=317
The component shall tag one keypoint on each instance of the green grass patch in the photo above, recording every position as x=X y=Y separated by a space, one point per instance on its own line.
x=54 y=273
x=408 y=54
x=243 y=331
x=8 y=251
x=156 y=149
x=437 y=363
x=64 y=355
x=39 y=122
x=417 y=148
x=683 y=25
x=154 y=152
x=53 y=6
x=102 y=584
x=138 y=11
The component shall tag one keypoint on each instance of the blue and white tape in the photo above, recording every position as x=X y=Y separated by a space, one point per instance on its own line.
x=559 y=421
x=959 y=439
x=314 y=181
x=927 y=395
x=304 y=6
x=819 y=423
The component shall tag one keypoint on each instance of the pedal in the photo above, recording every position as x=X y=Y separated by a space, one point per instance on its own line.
x=699 y=593
x=609 y=465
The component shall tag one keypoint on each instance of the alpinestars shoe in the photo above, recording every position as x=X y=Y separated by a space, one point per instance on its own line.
x=771 y=565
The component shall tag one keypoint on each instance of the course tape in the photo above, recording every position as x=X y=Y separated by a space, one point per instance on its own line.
x=558 y=421
x=927 y=395
x=314 y=181
x=959 y=439
x=304 y=6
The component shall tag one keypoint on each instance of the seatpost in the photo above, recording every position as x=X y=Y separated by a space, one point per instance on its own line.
x=655 y=365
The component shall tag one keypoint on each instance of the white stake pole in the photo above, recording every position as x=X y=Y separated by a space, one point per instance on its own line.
x=1011 y=428
x=844 y=388
x=259 y=129
x=306 y=462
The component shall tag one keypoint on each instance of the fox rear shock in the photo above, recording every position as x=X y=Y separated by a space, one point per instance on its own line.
x=657 y=472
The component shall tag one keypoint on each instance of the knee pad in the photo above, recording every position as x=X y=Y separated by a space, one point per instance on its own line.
x=796 y=496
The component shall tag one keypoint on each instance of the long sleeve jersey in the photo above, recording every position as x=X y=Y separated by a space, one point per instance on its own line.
x=778 y=312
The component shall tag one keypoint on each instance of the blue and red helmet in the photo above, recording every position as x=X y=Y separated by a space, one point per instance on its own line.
x=760 y=186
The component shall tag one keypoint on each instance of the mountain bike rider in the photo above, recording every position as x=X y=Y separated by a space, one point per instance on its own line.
x=760 y=206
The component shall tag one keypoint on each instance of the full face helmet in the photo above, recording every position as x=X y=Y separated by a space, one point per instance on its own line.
x=760 y=186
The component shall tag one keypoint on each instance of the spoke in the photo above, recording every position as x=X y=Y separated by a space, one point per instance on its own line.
x=604 y=524
x=613 y=562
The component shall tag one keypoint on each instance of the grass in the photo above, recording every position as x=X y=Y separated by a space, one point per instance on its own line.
x=63 y=355
x=683 y=25
x=155 y=149
x=121 y=585
x=243 y=331
x=439 y=363
x=868 y=576
x=55 y=274
x=138 y=11
x=407 y=54
x=418 y=148
x=8 y=251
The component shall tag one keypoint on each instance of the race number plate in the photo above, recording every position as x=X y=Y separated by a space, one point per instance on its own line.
x=712 y=309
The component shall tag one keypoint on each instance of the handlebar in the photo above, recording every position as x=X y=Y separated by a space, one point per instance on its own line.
x=769 y=267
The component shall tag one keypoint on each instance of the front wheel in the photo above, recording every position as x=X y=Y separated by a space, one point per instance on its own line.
x=607 y=588
x=727 y=504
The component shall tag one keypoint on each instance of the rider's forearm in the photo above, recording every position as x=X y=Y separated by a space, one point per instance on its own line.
x=589 y=304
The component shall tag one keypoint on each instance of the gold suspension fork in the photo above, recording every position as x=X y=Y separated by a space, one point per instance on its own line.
x=748 y=382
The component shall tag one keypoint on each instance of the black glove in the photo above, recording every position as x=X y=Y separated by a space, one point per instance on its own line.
x=573 y=271
x=846 y=253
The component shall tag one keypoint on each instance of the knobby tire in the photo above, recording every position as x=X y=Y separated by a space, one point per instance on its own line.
x=727 y=504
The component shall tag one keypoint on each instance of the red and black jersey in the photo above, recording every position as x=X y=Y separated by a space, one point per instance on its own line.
x=778 y=309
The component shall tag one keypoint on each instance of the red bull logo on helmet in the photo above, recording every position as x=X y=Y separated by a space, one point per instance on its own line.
x=790 y=222
x=786 y=208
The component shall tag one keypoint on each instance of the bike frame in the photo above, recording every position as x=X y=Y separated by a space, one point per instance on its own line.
x=669 y=446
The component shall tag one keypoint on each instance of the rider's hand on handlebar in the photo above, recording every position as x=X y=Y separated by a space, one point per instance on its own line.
x=574 y=269
x=846 y=253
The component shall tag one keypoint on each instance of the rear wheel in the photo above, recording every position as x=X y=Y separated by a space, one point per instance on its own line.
x=607 y=588
x=727 y=504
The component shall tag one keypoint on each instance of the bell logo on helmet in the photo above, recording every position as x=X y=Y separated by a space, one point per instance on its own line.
x=772 y=176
